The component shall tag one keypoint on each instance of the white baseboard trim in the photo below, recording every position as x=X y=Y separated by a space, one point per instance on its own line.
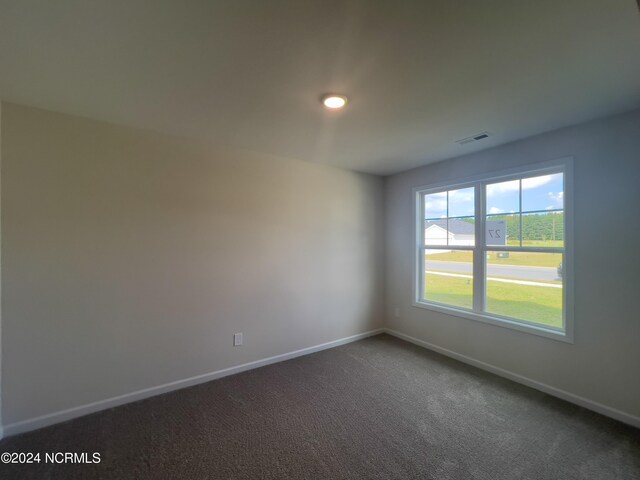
x=68 y=414
x=543 y=387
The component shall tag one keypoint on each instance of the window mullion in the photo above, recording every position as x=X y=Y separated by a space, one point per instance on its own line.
x=421 y=249
x=520 y=212
x=479 y=251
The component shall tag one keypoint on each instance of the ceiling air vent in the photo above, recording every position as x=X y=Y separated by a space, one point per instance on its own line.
x=473 y=138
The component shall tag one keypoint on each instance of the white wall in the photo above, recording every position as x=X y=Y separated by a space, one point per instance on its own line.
x=129 y=259
x=604 y=363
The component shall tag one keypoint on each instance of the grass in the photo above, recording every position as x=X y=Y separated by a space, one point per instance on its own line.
x=537 y=243
x=453 y=291
x=542 y=305
x=515 y=258
x=536 y=304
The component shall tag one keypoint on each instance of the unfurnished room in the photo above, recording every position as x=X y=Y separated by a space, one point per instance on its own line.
x=320 y=239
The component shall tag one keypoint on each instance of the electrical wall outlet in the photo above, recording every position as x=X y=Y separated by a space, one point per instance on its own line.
x=237 y=339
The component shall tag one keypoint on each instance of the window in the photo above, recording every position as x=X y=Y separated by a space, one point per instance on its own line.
x=497 y=249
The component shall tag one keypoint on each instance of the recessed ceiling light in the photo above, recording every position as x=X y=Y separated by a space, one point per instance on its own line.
x=334 y=101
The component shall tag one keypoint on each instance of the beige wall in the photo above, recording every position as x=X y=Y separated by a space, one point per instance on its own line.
x=604 y=363
x=130 y=258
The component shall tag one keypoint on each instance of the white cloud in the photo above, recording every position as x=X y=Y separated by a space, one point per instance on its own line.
x=535 y=182
x=495 y=210
x=514 y=185
x=464 y=195
x=435 y=205
x=461 y=201
x=504 y=187
x=557 y=198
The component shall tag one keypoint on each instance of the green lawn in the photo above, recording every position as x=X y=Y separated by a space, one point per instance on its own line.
x=453 y=291
x=537 y=243
x=515 y=258
x=536 y=304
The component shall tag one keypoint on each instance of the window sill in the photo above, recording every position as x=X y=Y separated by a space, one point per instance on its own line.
x=542 y=331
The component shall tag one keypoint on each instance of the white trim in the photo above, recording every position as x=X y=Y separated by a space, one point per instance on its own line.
x=543 y=387
x=568 y=265
x=81 y=410
x=479 y=292
x=520 y=325
x=479 y=182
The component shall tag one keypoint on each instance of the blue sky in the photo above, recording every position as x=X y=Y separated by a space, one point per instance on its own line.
x=544 y=192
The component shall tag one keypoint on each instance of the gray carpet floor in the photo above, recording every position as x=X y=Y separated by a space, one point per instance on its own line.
x=379 y=408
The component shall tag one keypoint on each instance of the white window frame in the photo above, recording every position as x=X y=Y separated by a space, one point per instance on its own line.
x=564 y=165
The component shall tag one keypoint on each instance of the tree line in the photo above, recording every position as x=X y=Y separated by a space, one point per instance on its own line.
x=545 y=226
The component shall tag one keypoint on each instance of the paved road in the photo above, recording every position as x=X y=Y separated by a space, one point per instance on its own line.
x=541 y=274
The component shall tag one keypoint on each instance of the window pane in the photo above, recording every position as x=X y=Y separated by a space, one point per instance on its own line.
x=495 y=231
x=545 y=192
x=462 y=202
x=503 y=230
x=503 y=197
x=435 y=205
x=449 y=278
x=525 y=286
x=452 y=231
x=543 y=229
x=435 y=232
x=440 y=228
x=460 y=231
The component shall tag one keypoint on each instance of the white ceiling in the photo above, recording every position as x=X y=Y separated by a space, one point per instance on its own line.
x=419 y=74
